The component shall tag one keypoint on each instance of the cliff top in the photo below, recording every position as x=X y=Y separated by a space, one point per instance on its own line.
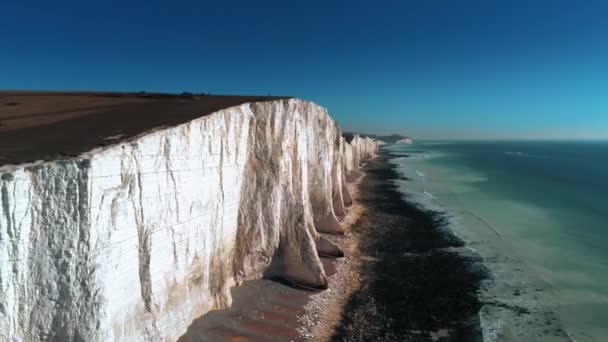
x=51 y=125
x=385 y=138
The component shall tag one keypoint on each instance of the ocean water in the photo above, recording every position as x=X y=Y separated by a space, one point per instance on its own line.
x=537 y=212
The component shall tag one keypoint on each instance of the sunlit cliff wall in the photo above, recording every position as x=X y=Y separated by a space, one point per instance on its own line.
x=135 y=240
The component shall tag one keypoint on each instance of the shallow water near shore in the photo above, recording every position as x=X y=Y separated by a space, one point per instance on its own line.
x=537 y=212
x=418 y=281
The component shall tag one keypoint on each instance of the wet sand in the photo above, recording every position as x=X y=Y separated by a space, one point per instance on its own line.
x=262 y=310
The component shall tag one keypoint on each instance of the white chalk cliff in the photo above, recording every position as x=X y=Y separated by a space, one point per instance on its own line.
x=404 y=141
x=133 y=241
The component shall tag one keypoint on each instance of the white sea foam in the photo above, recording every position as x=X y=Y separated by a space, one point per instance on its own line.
x=430 y=195
x=500 y=318
x=522 y=154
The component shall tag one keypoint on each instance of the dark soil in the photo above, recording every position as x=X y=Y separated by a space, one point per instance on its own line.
x=86 y=127
x=416 y=287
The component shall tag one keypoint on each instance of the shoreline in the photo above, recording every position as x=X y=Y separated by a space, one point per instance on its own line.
x=404 y=277
x=517 y=304
x=416 y=280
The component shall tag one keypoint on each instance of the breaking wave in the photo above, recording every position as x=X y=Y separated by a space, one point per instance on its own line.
x=522 y=154
x=430 y=195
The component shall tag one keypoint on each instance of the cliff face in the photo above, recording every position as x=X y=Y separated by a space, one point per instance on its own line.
x=135 y=240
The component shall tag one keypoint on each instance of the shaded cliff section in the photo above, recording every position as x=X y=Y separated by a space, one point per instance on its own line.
x=295 y=188
x=134 y=239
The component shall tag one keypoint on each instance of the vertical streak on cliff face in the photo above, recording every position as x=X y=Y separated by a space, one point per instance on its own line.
x=60 y=270
x=143 y=234
x=344 y=157
x=169 y=167
x=6 y=180
x=337 y=178
x=6 y=205
x=9 y=219
x=220 y=267
x=87 y=293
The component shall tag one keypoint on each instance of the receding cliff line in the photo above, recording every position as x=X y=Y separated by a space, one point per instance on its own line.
x=134 y=240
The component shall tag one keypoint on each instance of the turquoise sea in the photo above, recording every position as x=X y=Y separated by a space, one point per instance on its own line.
x=537 y=212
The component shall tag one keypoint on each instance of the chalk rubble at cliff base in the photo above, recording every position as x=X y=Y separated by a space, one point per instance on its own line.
x=134 y=240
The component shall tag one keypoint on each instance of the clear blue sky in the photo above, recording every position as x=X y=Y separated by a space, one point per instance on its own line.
x=431 y=69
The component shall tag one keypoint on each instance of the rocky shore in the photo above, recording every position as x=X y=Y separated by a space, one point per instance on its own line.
x=417 y=284
x=405 y=277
